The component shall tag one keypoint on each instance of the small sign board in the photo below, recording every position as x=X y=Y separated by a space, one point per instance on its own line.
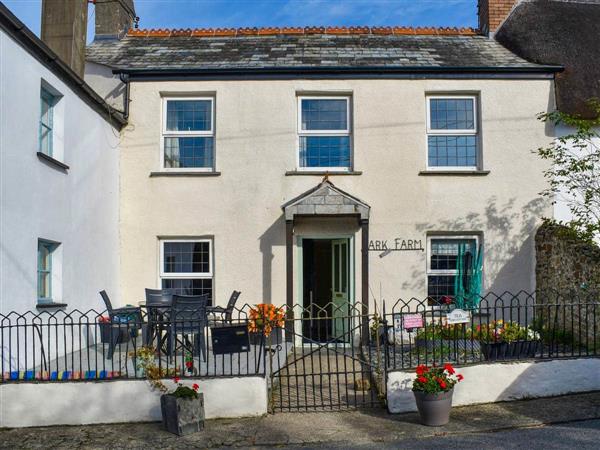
x=407 y=322
x=458 y=316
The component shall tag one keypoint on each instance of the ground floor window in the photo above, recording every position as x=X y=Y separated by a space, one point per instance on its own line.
x=46 y=250
x=186 y=266
x=442 y=259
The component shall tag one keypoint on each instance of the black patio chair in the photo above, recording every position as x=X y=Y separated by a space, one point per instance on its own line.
x=227 y=312
x=158 y=302
x=188 y=317
x=124 y=324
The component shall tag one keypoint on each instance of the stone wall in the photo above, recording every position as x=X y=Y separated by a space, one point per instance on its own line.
x=564 y=264
x=568 y=272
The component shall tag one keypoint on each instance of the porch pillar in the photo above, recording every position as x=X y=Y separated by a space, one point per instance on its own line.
x=289 y=267
x=364 y=230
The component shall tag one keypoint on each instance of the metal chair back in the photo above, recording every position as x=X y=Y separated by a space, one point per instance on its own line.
x=231 y=304
x=159 y=297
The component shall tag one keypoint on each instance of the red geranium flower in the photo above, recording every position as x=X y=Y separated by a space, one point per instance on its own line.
x=176 y=380
x=189 y=364
x=460 y=377
x=421 y=369
x=195 y=386
x=448 y=368
x=422 y=379
x=442 y=383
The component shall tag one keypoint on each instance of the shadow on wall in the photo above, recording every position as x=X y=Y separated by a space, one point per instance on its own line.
x=274 y=236
x=508 y=242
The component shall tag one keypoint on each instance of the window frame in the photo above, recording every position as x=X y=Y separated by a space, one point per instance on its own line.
x=346 y=132
x=50 y=99
x=185 y=275
x=447 y=237
x=51 y=247
x=443 y=132
x=164 y=133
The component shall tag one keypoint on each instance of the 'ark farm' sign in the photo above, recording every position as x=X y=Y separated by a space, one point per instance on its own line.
x=396 y=245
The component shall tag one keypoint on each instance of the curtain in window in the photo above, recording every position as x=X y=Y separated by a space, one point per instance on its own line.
x=467 y=284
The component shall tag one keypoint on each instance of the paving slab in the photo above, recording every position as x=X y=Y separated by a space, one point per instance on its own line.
x=370 y=428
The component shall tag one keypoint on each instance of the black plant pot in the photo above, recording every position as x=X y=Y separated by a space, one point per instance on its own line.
x=494 y=351
x=434 y=409
x=275 y=338
x=460 y=344
x=182 y=416
x=106 y=328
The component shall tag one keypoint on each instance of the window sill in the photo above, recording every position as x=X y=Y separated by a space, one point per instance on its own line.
x=53 y=162
x=50 y=305
x=321 y=172
x=458 y=173
x=185 y=174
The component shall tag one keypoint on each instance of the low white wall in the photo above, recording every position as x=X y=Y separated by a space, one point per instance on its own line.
x=75 y=403
x=486 y=383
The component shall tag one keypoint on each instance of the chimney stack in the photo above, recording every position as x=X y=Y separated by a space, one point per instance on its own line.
x=64 y=29
x=492 y=13
x=113 y=18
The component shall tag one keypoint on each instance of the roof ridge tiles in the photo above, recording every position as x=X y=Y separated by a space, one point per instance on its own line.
x=312 y=30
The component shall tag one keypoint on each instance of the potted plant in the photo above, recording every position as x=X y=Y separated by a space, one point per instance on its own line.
x=453 y=336
x=182 y=409
x=433 y=389
x=263 y=319
x=506 y=340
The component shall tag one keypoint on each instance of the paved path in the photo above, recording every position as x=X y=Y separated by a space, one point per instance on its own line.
x=470 y=427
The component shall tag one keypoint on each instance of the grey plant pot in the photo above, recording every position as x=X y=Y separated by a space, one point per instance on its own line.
x=434 y=409
x=182 y=416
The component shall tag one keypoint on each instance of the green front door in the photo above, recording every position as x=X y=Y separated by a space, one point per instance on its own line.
x=340 y=288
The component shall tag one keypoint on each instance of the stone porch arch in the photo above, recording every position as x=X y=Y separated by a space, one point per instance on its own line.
x=326 y=199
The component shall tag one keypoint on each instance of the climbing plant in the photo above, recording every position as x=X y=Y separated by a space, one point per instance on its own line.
x=574 y=172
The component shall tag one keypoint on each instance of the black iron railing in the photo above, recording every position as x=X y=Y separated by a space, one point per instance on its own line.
x=503 y=327
x=77 y=345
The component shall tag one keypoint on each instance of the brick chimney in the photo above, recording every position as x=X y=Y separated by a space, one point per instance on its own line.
x=492 y=13
x=113 y=18
x=64 y=29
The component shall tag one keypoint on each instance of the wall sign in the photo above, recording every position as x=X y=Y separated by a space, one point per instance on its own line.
x=396 y=245
x=407 y=322
x=458 y=316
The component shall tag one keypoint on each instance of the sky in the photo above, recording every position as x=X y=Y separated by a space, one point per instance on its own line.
x=250 y=13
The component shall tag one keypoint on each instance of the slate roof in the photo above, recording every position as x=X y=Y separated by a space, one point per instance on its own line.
x=173 y=52
x=560 y=32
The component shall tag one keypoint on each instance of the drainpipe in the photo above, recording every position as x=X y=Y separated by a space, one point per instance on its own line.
x=125 y=79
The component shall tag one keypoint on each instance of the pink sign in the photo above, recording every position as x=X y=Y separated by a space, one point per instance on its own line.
x=410 y=321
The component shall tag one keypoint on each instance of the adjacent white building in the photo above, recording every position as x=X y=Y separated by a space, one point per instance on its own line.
x=59 y=180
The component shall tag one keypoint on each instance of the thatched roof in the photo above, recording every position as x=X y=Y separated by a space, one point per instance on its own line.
x=560 y=32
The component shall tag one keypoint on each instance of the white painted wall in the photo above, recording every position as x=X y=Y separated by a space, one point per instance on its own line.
x=562 y=212
x=106 y=84
x=256 y=143
x=42 y=404
x=78 y=209
x=487 y=383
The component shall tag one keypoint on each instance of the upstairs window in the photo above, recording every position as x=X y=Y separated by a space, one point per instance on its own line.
x=47 y=101
x=324 y=133
x=187 y=267
x=452 y=141
x=188 y=134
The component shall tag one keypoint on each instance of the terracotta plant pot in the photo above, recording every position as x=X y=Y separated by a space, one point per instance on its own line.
x=182 y=416
x=434 y=409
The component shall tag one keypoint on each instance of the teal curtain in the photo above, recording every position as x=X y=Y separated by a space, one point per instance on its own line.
x=467 y=284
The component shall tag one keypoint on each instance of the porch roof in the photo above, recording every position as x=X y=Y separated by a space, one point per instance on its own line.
x=328 y=200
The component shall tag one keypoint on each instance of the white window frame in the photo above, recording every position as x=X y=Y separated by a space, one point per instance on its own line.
x=185 y=275
x=467 y=132
x=450 y=237
x=169 y=133
x=346 y=132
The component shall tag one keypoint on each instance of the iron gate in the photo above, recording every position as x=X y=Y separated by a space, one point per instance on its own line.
x=330 y=362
